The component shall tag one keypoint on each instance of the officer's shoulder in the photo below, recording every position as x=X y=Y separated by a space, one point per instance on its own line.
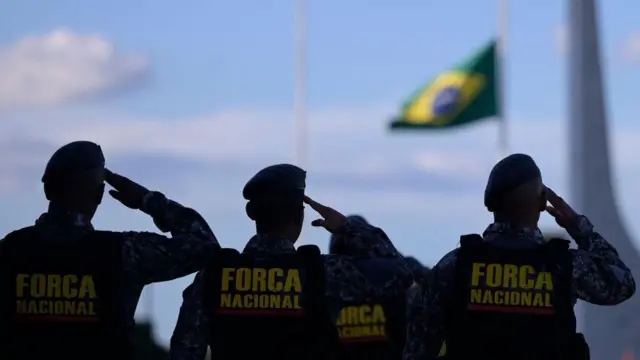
x=448 y=260
x=116 y=240
x=18 y=233
x=15 y=234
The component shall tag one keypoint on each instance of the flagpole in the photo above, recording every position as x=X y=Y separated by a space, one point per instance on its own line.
x=300 y=83
x=503 y=28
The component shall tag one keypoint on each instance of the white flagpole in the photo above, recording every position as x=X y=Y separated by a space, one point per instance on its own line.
x=503 y=28
x=300 y=83
x=301 y=135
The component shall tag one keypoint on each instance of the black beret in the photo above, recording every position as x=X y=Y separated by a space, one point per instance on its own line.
x=507 y=175
x=276 y=181
x=74 y=157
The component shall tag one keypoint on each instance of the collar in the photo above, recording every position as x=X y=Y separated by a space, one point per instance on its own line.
x=65 y=218
x=270 y=243
x=501 y=231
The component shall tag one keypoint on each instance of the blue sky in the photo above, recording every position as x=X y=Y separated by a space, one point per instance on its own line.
x=193 y=99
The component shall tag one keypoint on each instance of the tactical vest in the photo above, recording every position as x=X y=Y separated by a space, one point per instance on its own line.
x=511 y=303
x=60 y=298
x=373 y=327
x=269 y=308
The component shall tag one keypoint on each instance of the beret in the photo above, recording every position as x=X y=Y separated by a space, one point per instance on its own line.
x=74 y=157
x=507 y=175
x=276 y=181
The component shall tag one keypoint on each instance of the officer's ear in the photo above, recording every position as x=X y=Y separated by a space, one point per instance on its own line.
x=543 y=199
x=54 y=188
x=48 y=191
x=299 y=216
x=250 y=209
x=100 y=194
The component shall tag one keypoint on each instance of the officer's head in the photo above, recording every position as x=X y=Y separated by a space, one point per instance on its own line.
x=74 y=177
x=515 y=192
x=276 y=196
x=338 y=244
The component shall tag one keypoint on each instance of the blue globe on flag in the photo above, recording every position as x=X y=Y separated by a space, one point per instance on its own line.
x=446 y=101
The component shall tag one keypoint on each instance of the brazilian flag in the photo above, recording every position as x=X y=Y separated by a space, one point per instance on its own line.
x=464 y=94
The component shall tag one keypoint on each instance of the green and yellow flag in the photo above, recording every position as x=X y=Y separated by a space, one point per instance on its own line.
x=462 y=95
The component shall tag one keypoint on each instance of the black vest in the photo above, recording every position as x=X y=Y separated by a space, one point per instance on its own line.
x=60 y=298
x=373 y=327
x=269 y=308
x=511 y=303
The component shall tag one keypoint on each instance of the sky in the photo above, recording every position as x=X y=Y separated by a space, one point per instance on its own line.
x=192 y=100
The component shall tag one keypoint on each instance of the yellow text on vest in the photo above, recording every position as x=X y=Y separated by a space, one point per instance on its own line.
x=261 y=290
x=362 y=323
x=512 y=288
x=56 y=297
x=443 y=349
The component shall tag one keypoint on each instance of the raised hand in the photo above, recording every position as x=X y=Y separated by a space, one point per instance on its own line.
x=128 y=192
x=332 y=220
x=559 y=209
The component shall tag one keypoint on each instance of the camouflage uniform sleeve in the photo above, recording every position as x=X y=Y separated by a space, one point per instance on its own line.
x=151 y=257
x=345 y=282
x=600 y=276
x=413 y=292
x=418 y=270
x=425 y=311
x=191 y=334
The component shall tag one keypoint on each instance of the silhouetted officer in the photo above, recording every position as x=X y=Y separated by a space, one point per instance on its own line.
x=380 y=333
x=509 y=294
x=279 y=315
x=70 y=291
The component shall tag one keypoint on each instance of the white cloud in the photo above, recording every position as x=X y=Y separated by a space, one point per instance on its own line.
x=631 y=48
x=455 y=164
x=63 y=66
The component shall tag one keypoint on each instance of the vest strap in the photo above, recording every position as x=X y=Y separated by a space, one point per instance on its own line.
x=471 y=241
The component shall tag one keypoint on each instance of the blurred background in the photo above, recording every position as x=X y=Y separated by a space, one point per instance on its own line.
x=193 y=99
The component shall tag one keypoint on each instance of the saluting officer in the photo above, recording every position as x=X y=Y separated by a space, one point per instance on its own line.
x=508 y=294
x=381 y=333
x=70 y=291
x=276 y=204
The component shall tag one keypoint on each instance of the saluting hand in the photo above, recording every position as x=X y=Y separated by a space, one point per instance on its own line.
x=332 y=220
x=560 y=210
x=128 y=192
